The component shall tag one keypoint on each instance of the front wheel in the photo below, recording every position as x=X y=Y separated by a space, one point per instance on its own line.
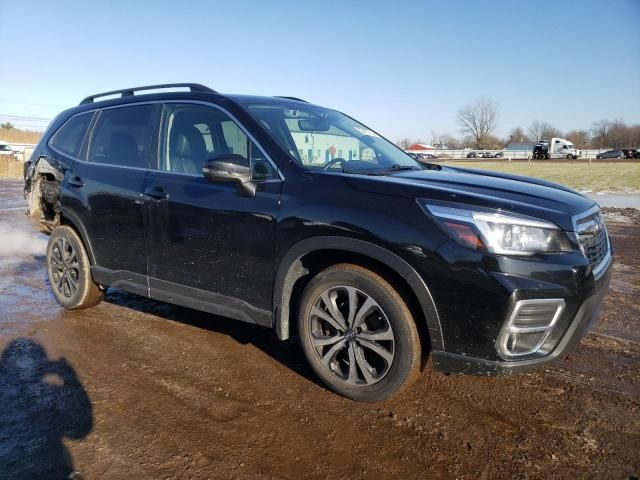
x=68 y=268
x=358 y=334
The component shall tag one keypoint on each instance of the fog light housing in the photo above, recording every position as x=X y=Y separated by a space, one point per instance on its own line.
x=529 y=324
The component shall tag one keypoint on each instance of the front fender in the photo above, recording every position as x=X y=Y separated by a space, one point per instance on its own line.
x=290 y=269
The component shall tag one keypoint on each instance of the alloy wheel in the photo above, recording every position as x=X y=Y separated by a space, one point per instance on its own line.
x=351 y=335
x=65 y=269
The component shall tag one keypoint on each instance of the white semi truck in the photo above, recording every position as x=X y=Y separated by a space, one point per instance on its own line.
x=556 y=148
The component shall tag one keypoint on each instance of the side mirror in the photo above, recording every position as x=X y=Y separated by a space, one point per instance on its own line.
x=230 y=168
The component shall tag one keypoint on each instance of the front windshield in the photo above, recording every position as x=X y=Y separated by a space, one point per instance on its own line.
x=322 y=139
x=5 y=148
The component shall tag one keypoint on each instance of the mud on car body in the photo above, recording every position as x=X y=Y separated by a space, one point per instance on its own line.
x=296 y=217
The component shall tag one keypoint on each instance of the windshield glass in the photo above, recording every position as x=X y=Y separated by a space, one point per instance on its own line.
x=5 y=148
x=318 y=138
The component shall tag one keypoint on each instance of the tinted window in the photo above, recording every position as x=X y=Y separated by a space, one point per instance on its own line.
x=70 y=137
x=122 y=136
x=192 y=134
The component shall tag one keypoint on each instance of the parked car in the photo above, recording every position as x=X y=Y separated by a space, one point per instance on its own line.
x=499 y=155
x=473 y=155
x=6 y=149
x=371 y=260
x=428 y=156
x=628 y=152
x=487 y=155
x=611 y=154
x=637 y=153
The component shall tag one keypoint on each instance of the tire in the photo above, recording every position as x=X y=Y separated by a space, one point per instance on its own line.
x=68 y=268
x=570 y=157
x=357 y=363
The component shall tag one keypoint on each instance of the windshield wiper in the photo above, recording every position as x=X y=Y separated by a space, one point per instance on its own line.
x=398 y=167
x=392 y=169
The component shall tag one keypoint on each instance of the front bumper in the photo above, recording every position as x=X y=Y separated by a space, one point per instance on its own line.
x=578 y=327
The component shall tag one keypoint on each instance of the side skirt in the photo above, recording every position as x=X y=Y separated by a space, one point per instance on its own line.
x=182 y=295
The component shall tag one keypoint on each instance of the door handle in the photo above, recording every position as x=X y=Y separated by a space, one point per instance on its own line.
x=76 y=182
x=156 y=193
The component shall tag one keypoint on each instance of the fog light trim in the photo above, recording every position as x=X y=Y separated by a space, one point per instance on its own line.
x=545 y=314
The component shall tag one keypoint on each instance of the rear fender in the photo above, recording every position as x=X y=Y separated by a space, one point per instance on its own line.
x=42 y=192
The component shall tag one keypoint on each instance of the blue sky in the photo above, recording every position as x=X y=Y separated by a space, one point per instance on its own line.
x=403 y=67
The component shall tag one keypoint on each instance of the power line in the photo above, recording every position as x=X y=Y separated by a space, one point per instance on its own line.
x=32 y=104
x=23 y=117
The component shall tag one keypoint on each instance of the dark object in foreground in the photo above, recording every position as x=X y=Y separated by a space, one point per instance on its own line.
x=295 y=217
x=42 y=402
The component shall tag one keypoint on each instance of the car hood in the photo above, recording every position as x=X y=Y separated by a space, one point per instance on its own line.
x=523 y=195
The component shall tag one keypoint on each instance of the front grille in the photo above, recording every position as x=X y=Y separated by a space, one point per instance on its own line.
x=593 y=237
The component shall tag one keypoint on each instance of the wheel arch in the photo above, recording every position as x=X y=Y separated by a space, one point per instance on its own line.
x=292 y=269
x=70 y=219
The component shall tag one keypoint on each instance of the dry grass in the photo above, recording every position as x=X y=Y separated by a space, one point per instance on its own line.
x=10 y=167
x=616 y=177
x=15 y=135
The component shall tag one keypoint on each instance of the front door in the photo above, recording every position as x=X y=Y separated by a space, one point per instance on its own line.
x=209 y=247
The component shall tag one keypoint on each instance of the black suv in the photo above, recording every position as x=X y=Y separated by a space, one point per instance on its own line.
x=281 y=213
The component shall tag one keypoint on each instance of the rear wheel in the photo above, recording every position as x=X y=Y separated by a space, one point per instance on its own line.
x=69 y=271
x=358 y=334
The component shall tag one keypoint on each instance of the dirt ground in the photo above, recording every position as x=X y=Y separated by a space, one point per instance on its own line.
x=137 y=389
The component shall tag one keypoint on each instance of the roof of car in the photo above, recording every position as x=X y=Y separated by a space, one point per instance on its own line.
x=127 y=96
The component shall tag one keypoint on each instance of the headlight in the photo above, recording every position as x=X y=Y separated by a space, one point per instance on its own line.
x=497 y=232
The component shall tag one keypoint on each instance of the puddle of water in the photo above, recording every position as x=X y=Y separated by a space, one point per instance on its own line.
x=622 y=279
x=24 y=292
x=617 y=218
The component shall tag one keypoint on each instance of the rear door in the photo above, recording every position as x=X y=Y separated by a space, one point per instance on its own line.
x=209 y=246
x=107 y=187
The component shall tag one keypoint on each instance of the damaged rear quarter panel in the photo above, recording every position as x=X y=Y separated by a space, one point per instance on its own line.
x=42 y=192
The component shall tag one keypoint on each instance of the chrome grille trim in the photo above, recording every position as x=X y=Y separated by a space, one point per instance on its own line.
x=546 y=311
x=593 y=237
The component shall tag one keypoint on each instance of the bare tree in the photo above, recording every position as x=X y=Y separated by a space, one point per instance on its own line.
x=634 y=136
x=599 y=133
x=619 y=134
x=404 y=143
x=478 y=120
x=540 y=130
x=579 y=138
x=449 y=141
x=517 y=135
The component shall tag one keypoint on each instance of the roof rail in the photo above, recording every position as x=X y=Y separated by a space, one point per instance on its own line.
x=292 y=98
x=128 y=92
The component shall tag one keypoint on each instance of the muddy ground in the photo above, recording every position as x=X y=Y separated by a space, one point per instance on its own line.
x=137 y=389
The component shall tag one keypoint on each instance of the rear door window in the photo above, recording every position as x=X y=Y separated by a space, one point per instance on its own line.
x=122 y=136
x=69 y=138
